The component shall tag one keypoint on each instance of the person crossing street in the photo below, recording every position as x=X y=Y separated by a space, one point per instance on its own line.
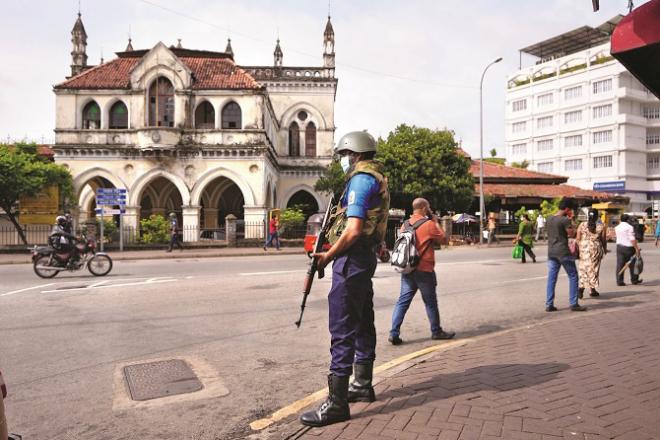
x=356 y=227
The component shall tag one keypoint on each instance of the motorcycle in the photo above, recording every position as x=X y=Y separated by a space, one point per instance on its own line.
x=48 y=261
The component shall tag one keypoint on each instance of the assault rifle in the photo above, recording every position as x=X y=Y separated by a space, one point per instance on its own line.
x=313 y=265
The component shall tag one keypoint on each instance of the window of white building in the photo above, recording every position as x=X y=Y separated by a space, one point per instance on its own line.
x=572 y=93
x=601 y=137
x=651 y=112
x=573 y=165
x=543 y=100
x=603 y=162
x=544 y=167
x=653 y=163
x=602 y=86
x=545 y=145
x=519 y=127
x=519 y=105
x=544 y=122
x=602 y=111
x=572 y=117
x=518 y=149
x=652 y=139
x=573 y=141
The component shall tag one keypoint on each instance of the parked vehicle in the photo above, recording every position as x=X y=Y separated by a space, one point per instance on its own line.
x=48 y=261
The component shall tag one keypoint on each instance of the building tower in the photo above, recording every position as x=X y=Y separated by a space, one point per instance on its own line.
x=228 y=49
x=278 y=55
x=329 y=45
x=79 y=52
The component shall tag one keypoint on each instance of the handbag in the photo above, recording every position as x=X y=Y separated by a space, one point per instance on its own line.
x=517 y=252
x=573 y=248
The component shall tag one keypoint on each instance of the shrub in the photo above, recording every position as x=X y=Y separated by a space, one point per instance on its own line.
x=291 y=220
x=155 y=229
x=109 y=228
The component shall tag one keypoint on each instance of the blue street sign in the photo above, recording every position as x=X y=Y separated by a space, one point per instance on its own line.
x=110 y=201
x=111 y=191
x=610 y=186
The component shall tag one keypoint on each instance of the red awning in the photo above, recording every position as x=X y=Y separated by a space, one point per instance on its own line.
x=636 y=44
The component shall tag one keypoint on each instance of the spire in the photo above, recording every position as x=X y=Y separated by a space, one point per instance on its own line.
x=79 y=52
x=228 y=49
x=129 y=46
x=178 y=44
x=278 y=54
x=329 y=45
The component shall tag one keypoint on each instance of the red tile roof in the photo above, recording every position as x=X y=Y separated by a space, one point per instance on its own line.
x=540 y=191
x=500 y=173
x=209 y=72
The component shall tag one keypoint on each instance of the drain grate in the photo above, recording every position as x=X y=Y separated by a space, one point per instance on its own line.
x=154 y=380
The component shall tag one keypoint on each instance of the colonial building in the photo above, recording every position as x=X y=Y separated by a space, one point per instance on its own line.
x=191 y=132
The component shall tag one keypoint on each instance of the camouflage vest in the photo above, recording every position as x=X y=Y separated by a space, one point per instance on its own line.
x=375 y=224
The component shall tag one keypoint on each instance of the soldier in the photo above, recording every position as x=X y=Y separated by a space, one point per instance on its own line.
x=174 y=233
x=357 y=227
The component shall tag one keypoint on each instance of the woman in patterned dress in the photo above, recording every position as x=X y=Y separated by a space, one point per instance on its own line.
x=590 y=238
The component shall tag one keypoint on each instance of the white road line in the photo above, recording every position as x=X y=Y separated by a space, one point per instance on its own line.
x=275 y=272
x=27 y=288
x=105 y=286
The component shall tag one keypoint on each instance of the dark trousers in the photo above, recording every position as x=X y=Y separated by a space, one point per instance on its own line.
x=527 y=249
x=274 y=236
x=623 y=255
x=351 y=309
x=174 y=241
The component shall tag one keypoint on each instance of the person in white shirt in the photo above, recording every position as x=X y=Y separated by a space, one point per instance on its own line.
x=540 y=226
x=626 y=248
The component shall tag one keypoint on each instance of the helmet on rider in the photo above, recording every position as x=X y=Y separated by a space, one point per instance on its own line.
x=172 y=215
x=61 y=221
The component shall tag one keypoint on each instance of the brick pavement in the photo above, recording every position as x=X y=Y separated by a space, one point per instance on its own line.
x=590 y=376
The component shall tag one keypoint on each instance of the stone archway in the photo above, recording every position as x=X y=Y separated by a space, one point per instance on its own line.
x=219 y=198
x=305 y=201
x=160 y=196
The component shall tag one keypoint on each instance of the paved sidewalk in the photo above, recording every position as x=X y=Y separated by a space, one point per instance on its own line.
x=154 y=254
x=589 y=376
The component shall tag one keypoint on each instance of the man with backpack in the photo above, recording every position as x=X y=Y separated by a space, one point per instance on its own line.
x=414 y=257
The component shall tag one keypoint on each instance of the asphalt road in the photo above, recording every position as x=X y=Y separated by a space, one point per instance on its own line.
x=63 y=341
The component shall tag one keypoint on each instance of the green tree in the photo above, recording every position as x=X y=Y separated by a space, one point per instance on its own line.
x=549 y=208
x=420 y=162
x=493 y=152
x=24 y=173
x=291 y=220
x=155 y=229
x=332 y=181
x=524 y=164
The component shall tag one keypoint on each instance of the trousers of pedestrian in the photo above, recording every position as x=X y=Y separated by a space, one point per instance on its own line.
x=526 y=249
x=554 y=264
x=351 y=312
x=174 y=241
x=426 y=283
x=540 y=231
x=492 y=236
x=273 y=236
x=623 y=255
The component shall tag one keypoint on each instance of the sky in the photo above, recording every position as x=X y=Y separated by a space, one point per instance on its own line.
x=407 y=61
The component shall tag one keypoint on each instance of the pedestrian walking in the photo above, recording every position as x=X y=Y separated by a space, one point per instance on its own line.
x=540 y=227
x=657 y=231
x=626 y=248
x=524 y=238
x=492 y=226
x=174 y=233
x=273 y=226
x=560 y=228
x=427 y=234
x=591 y=236
x=356 y=228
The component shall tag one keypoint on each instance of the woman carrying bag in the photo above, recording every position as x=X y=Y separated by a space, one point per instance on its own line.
x=525 y=238
x=590 y=238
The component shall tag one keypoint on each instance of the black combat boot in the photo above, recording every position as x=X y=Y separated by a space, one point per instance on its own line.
x=361 y=389
x=334 y=409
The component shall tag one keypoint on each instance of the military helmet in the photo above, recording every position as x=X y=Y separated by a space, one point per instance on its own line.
x=357 y=142
x=172 y=215
x=61 y=220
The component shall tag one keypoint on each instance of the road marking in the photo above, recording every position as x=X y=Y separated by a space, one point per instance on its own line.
x=100 y=284
x=27 y=288
x=297 y=406
x=275 y=272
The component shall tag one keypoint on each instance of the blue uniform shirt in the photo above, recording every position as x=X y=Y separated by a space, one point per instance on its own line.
x=362 y=195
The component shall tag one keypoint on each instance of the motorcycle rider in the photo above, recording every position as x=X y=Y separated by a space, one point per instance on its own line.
x=62 y=239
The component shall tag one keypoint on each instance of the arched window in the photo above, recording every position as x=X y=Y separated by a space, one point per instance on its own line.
x=161 y=103
x=294 y=139
x=310 y=139
x=231 y=116
x=118 y=115
x=91 y=119
x=205 y=115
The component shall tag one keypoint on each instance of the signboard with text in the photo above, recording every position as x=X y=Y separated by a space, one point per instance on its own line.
x=617 y=186
x=40 y=209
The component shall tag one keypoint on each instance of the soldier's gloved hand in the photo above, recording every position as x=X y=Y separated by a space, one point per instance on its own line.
x=322 y=259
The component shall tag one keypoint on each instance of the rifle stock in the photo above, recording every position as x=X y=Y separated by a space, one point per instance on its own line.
x=313 y=265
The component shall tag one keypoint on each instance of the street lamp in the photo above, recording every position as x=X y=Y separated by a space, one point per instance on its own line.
x=482 y=206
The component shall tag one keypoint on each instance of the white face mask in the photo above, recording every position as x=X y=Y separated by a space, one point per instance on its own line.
x=345 y=163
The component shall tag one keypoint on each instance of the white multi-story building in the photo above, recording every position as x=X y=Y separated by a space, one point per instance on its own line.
x=578 y=112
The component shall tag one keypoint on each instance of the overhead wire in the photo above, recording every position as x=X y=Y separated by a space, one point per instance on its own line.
x=344 y=65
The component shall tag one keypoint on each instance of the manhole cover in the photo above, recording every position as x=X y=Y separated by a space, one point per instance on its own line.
x=154 y=380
